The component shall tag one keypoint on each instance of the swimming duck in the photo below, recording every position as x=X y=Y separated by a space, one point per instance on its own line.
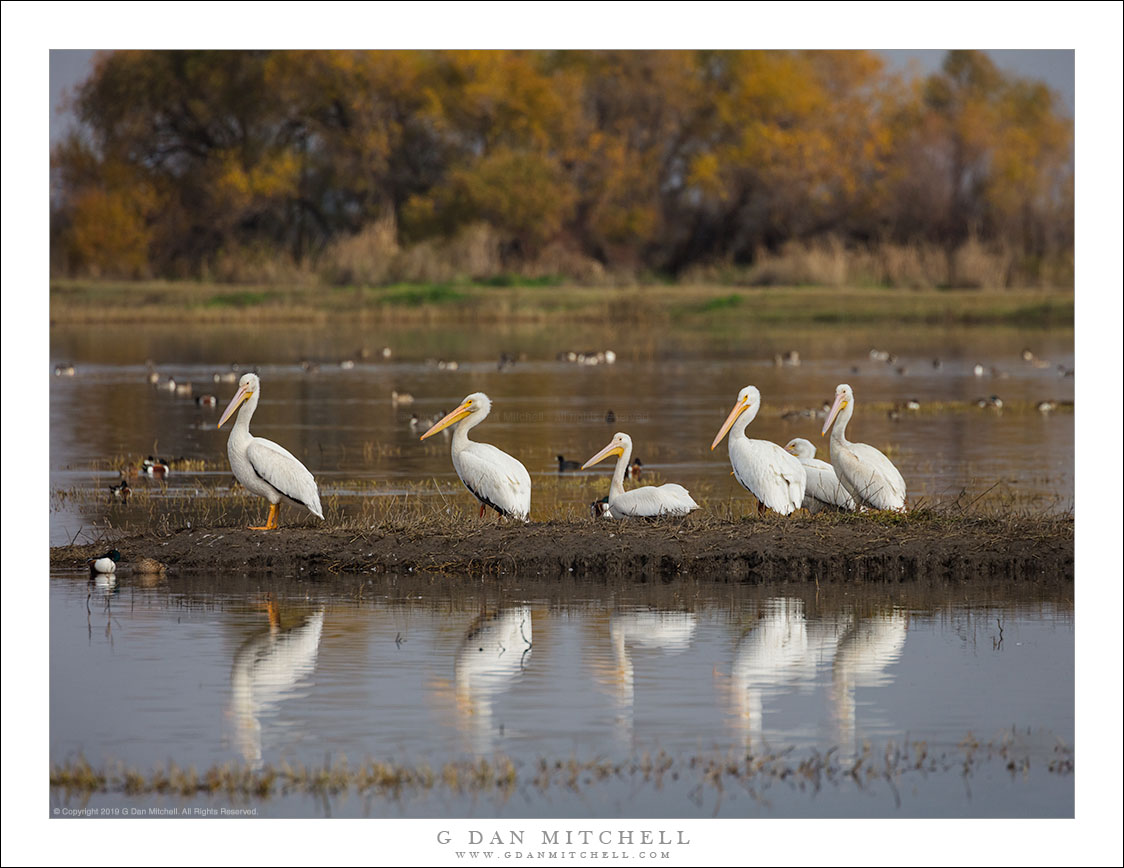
x=155 y=467
x=121 y=490
x=564 y=465
x=107 y=563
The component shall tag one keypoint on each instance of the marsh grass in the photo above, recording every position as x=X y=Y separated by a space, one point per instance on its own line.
x=503 y=776
x=418 y=509
x=540 y=299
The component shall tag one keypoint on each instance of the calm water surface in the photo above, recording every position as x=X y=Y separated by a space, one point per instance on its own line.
x=261 y=670
x=670 y=391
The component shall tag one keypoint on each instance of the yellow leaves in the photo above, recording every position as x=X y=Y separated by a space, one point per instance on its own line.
x=109 y=233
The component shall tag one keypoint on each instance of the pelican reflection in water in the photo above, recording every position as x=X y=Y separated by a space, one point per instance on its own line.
x=491 y=657
x=667 y=632
x=781 y=652
x=864 y=655
x=268 y=670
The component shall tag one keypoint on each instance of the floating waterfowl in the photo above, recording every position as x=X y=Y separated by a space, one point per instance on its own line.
x=491 y=475
x=564 y=465
x=105 y=564
x=157 y=468
x=121 y=490
x=400 y=398
x=206 y=401
x=263 y=467
x=65 y=370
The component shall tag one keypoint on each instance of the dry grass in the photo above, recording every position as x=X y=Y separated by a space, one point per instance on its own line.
x=542 y=300
x=503 y=776
x=828 y=262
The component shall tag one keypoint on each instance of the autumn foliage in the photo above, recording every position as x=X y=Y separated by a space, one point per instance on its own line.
x=372 y=167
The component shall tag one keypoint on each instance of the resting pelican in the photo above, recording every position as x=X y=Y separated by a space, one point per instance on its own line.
x=494 y=477
x=776 y=478
x=647 y=501
x=823 y=491
x=261 y=465
x=868 y=475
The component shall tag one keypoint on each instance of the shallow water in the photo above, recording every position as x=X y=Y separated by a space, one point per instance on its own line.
x=670 y=390
x=266 y=670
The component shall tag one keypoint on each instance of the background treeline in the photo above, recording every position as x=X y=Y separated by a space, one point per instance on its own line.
x=376 y=167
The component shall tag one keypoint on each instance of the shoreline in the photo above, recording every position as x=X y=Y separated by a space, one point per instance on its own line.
x=756 y=551
x=75 y=302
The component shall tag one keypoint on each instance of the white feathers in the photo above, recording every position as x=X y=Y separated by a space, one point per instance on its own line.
x=263 y=467
x=281 y=470
x=649 y=501
x=494 y=477
x=776 y=478
x=823 y=489
x=868 y=475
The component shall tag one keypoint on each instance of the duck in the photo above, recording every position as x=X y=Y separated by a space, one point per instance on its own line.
x=121 y=490
x=564 y=465
x=105 y=564
x=206 y=401
x=400 y=398
x=155 y=467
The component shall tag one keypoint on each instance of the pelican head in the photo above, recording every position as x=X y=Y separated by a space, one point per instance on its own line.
x=801 y=448
x=748 y=398
x=475 y=404
x=620 y=444
x=844 y=397
x=248 y=386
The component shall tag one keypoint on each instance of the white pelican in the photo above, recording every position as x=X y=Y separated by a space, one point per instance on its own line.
x=494 y=477
x=776 y=478
x=646 y=501
x=823 y=491
x=872 y=480
x=261 y=465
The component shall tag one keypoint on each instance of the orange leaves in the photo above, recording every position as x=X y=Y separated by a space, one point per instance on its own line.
x=653 y=160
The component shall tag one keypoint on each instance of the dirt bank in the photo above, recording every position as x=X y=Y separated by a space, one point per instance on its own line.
x=850 y=549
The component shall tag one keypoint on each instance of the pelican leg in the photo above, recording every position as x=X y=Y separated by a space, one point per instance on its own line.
x=271 y=522
x=481 y=511
x=760 y=508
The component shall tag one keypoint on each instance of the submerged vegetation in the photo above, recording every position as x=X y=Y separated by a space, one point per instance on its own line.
x=892 y=764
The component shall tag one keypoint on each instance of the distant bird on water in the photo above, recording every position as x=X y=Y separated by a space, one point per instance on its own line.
x=564 y=465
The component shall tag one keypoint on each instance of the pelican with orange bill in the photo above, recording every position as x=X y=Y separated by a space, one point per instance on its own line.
x=776 y=478
x=648 y=501
x=263 y=467
x=868 y=475
x=491 y=475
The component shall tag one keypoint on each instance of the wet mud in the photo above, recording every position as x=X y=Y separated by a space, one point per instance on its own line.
x=745 y=551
